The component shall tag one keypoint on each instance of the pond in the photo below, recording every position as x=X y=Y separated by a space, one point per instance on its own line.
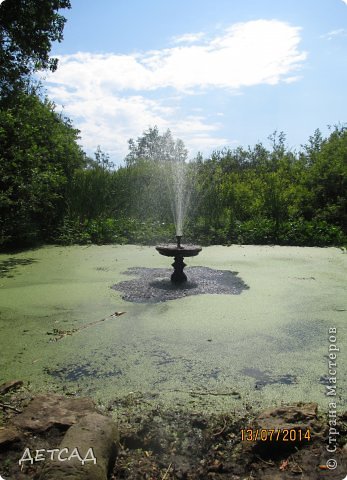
x=261 y=346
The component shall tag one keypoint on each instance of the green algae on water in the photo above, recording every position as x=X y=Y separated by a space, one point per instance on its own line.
x=173 y=350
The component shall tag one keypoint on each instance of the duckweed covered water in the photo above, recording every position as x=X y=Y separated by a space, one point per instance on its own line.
x=268 y=344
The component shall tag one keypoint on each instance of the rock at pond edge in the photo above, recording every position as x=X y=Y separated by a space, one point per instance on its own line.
x=94 y=431
x=47 y=411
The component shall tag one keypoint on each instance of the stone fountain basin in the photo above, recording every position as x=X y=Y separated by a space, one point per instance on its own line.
x=171 y=250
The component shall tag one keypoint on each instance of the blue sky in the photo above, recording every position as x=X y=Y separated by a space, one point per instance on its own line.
x=216 y=72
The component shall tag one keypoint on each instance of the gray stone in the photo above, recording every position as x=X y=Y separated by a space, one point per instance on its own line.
x=11 y=385
x=8 y=435
x=47 y=411
x=93 y=431
x=298 y=416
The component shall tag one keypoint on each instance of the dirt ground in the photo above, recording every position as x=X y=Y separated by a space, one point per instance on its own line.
x=181 y=445
x=184 y=446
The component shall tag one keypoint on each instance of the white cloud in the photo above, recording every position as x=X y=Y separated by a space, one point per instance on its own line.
x=114 y=97
x=188 y=37
x=261 y=51
x=345 y=1
x=340 y=32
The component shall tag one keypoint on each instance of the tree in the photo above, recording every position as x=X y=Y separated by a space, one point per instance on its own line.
x=327 y=177
x=38 y=156
x=153 y=146
x=90 y=194
x=157 y=165
x=27 y=30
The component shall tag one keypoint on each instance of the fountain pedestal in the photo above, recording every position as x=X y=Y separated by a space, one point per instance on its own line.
x=178 y=275
x=178 y=252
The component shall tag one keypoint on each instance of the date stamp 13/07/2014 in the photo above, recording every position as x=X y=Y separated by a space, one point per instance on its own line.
x=275 y=435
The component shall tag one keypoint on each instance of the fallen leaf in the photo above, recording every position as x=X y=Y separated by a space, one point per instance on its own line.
x=284 y=465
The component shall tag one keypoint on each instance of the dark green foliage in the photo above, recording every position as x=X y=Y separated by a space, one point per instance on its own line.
x=299 y=233
x=253 y=196
x=251 y=232
x=38 y=158
x=27 y=30
x=112 y=230
x=327 y=178
x=276 y=196
x=38 y=149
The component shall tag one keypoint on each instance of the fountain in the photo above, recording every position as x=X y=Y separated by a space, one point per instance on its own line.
x=179 y=252
x=152 y=285
x=179 y=193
